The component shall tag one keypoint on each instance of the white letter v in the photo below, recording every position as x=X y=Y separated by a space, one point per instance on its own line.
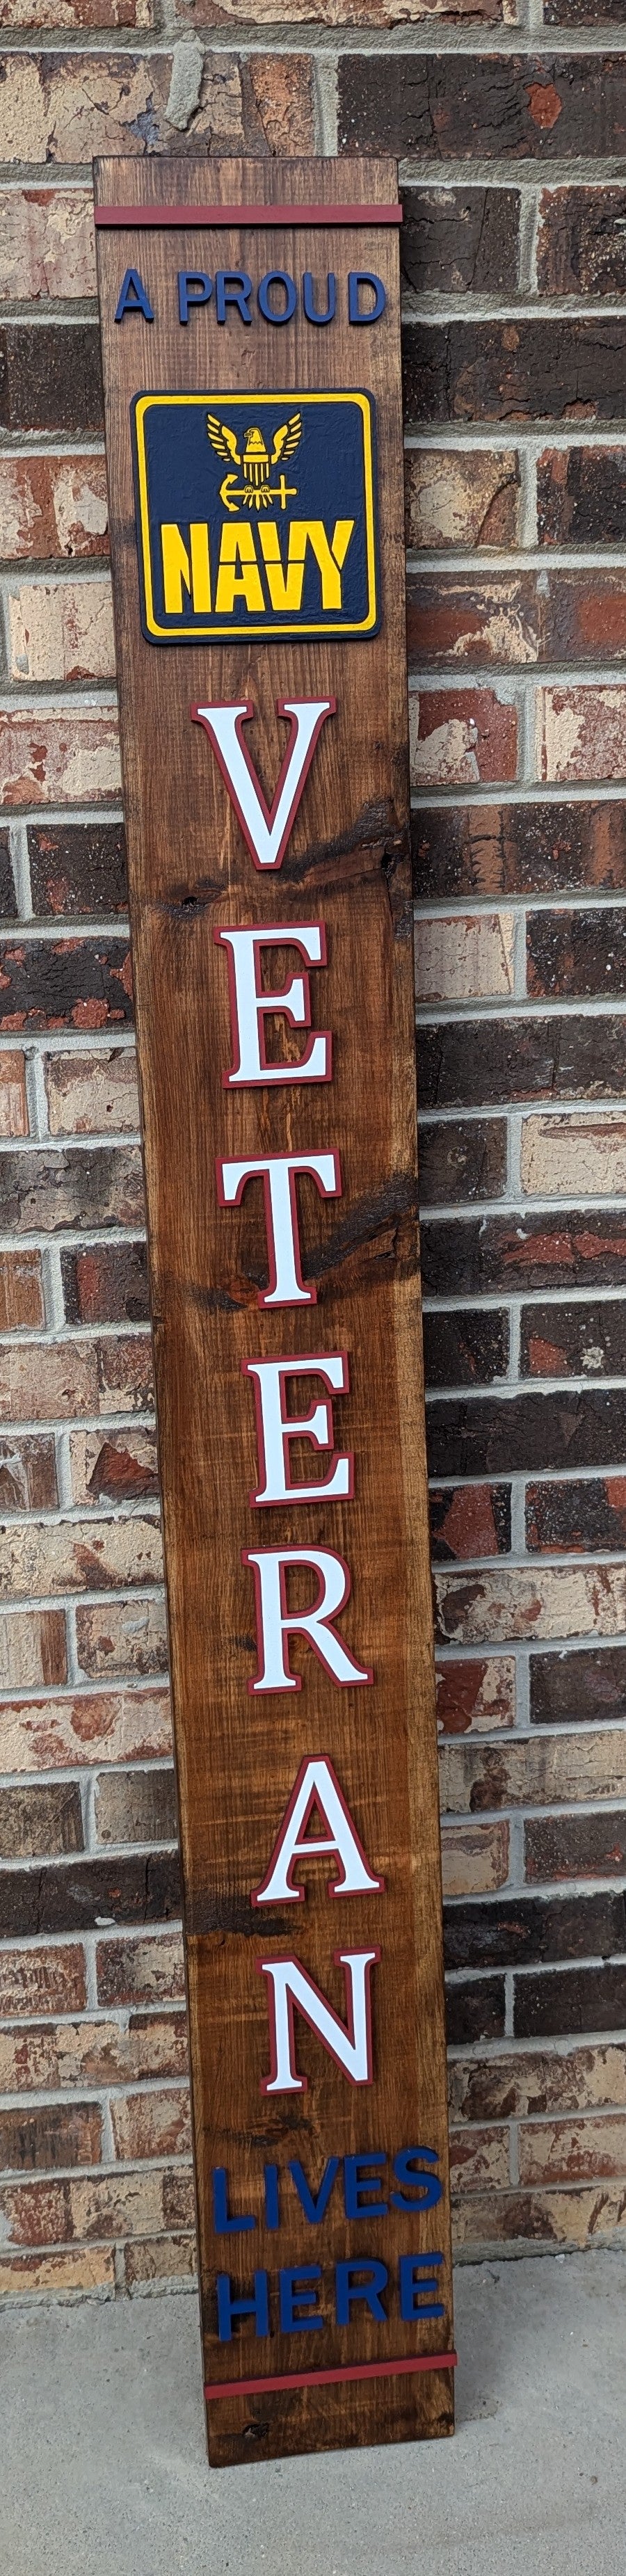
x=266 y=828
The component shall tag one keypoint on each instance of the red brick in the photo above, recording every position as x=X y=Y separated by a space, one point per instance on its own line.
x=458 y=736
x=522 y=2085
x=580 y=247
x=545 y=1601
x=69 y=1556
x=21 y=1291
x=581 y=493
x=78 y=868
x=77 y=13
x=106 y=1285
x=46 y=1190
x=52 y=505
x=86 y=1728
x=479 y=2157
x=151 y=2124
x=46 y=758
x=75 y=983
x=48 y=1978
x=113 y=1467
x=469 y=1521
x=476 y=1697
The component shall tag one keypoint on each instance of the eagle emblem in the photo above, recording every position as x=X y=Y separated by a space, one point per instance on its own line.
x=256 y=463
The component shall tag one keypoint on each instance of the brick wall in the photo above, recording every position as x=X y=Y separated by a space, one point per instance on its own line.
x=511 y=132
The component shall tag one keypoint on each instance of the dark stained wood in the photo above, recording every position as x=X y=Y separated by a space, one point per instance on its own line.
x=237 y=1756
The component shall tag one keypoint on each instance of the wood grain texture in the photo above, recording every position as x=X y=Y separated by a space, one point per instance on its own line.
x=348 y=864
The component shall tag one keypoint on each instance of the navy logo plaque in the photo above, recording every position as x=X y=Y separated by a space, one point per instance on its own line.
x=256 y=515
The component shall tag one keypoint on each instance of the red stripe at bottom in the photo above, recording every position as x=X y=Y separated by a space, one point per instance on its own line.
x=328 y=2378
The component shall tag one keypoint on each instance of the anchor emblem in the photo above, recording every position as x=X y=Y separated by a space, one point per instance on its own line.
x=256 y=491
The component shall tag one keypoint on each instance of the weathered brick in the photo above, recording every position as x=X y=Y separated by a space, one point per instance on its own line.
x=561 y=1847
x=78 y=868
x=515 y=1931
x=52 y=505
x=466 y=1159
x=32 y=1649
x=108 y=1284
x=46 y=1817
x=21 y=1291
x=47 y=758
x=140 y=1971
x=573 y=2150
x=51 y=375
x=577 y=952
x=88 y=1095
x=520 y=849
x=65 y=108
x=564 y=2000
x=516 y=370
x=13 y=1101
x=468 y=1521
x=574 y=1341
x=433 y=106
x=469 y=1062
x=60 y=630
x=86 y=1727
x=107 y=2204
x=466 y=1255
x=48 y=2138
x=78 y=1378
x=365 y=13
x=122 y=1638
x=466 y=1350
x=522 y=2086
x=460 y=240
x=520 y=618
x=462 y=957
x=45 y=1980
x=67 y=1556
x=566 y=1688
x=27 y=1474
x=475 y=1435
x=46 y=234
x=580 y=241
x=551 y=2217
x=81 y=2269
x=543 y=1771
x=151 y=2124
x=165 y=2259
x=47 y=1191
x=119 y=1466
x=48 y=2057
x=584 y=1157
x=8 y=898
x=475 y=1698
x=474 y=1858
x=461 y=498
x=581 y=496
x=583 y=13
x=77 y=13
x=543 y=1601
x=479 y=2157
x=66 y=983
x=78 y=1895
x=474 y=2010
x=581 y=733
x=582 y=1514
x=458 y=736
x=136 y=1807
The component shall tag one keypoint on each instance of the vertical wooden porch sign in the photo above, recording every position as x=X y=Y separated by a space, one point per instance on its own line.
x=254 y=439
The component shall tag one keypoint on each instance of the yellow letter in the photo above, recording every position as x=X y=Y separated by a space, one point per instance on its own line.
x=329 y=557
x=285 y=589
x=178 y=570
x=237 y=546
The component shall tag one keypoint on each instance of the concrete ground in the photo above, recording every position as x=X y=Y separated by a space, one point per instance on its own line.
x=103 y=2471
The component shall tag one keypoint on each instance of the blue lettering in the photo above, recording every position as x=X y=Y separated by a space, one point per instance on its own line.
x=297 y=2301
x=272 y=2210
x=365 y=277
x=227 y=2307
x=232 y=286
x=308 y=299
x=417 y=2277
x=411 y=2169
x=360 y=2281
x=132 y=297
x=277 y=277
x=360 y=2186
x=194 y=287
x=225 y=2226
x=314 y=2210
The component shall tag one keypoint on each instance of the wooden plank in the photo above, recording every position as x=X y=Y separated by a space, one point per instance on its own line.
x=335 y=2367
